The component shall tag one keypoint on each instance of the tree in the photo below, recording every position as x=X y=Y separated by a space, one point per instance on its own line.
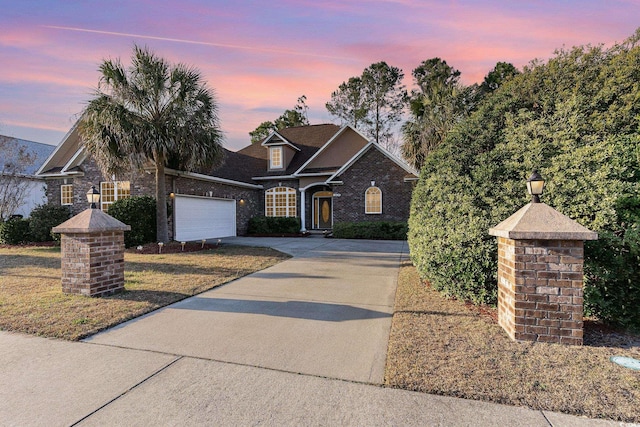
x=372 y=103
x=13 y=189
x=349 y=103
x=436 y=106
x=290 y=118
x=386 y=97
x=151 y=112
x=498 y=76
x=576 y=120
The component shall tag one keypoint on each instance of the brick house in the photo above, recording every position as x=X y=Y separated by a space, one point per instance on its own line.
x=322 y=174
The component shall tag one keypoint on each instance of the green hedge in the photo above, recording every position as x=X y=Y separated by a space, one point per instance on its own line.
x=139 y=212
x=15 y=231
x=378 y=230
x=274 y=225
x=44 y=218
x=576 y=119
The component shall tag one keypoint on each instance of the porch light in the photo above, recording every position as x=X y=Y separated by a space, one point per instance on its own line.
x=93 y=197
x=535 y=186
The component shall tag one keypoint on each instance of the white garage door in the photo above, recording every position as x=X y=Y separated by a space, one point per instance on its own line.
x=198 y=218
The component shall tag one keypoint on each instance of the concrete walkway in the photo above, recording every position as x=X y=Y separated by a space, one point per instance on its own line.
x=300 y=343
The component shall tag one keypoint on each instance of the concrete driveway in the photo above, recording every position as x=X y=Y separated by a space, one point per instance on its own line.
x=326 y=312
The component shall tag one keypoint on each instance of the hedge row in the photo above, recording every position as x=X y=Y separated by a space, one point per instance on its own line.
x=36 y=228
x=381 y=230
x=274 y=225
x=576 y=120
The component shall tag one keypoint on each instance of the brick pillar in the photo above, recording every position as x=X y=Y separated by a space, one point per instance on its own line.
x=92 y=254
x=540 y=290
x=540 y=275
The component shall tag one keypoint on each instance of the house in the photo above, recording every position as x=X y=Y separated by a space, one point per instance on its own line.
x=25 y=175
x=322 y=174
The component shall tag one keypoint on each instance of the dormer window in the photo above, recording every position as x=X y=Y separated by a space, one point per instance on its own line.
x=275 y=157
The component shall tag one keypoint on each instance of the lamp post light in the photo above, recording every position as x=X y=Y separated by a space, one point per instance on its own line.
x=93 y=197
x=535 y=186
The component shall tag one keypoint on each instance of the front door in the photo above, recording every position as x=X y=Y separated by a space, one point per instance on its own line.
x=324 y=217
x=322 y=210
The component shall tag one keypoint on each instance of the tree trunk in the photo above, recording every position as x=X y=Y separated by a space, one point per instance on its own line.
x=162 y=228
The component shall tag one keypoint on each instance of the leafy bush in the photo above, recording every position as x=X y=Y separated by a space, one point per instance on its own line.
x=44 y=218
x=274 y=225
x=379 y=230
x=576 y=120
x=14 y=231
x=140 y=213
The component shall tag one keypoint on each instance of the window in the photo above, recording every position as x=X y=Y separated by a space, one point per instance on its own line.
x=112 y=191
x=280 y=201
x=373 y=201
x=275 y=157
x=66 y=194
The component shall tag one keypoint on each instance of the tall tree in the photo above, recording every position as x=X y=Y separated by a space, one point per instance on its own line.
x=496 y=77
x=13 y=189
x=349 y=103
x=372 y=103
x=297 y=116
x=151 y=112
x=436 y=106
x=386 y=97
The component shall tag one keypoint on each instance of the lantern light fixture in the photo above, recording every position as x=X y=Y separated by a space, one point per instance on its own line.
x=93 y=197
x=535 y=186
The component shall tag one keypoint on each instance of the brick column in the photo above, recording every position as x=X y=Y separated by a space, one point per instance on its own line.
x=540 y=278
x=540 y=290
x=92 y=254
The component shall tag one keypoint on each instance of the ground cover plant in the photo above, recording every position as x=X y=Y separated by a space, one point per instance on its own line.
x=574 y=118
x=31 y=298
x=446 y=347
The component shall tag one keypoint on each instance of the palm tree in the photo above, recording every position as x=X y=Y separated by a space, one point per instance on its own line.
x=152 y=112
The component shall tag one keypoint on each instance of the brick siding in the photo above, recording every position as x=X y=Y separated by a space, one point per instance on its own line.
x=388 y=176
x=540 y=296
x=92 y=263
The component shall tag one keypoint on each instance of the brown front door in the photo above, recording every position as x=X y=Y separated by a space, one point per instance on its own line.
x=325 y=215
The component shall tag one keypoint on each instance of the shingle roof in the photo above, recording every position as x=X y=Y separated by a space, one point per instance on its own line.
x=39 y=150
x=251 y=161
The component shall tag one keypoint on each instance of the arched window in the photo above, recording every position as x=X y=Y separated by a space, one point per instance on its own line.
x=280 y=201
x=373 y=201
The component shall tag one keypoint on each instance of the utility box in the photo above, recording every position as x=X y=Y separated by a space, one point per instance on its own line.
x=92 y=254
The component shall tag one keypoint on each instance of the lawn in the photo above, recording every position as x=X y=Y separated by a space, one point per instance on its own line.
x=442 y=346
x=31 y=298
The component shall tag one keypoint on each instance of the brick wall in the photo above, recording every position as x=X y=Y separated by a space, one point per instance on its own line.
x=92 y=263
x=388 y=176
x=540 y=295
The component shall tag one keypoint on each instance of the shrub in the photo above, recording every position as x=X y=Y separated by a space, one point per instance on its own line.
x=44 y=218
x=576 y=119
x=379 y=230
x=140 y=213
x=15 y=231
x=274 y=225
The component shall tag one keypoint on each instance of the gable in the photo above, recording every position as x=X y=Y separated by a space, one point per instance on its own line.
x=67 y=151
x=338 y=151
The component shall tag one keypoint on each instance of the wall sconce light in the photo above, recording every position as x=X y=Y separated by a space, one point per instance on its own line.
x=93 y=197
x=241 y=202
x=172 y=195
x=535 y=186
x=373 y=183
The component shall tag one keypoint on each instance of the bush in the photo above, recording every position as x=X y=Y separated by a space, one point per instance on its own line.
x=379 y=230
x=576 y=119
x=140 y=213
x=15 y=231
x=274 y=225
x=44 y=218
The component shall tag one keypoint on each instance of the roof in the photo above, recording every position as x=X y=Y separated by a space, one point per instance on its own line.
x=252 y=160
x=39 y=150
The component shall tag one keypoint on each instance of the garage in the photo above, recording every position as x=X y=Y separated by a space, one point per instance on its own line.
x=198 y=218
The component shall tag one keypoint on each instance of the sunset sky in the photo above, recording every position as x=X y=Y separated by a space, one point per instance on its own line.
x=260 y=56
